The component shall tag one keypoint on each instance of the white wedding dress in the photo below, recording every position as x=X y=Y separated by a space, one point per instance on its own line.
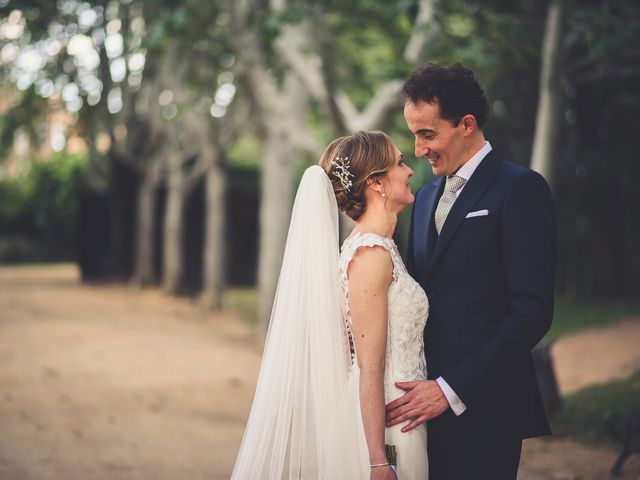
x=305 y=421
x=405 y=361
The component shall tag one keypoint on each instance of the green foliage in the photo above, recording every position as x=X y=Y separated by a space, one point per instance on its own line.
x=274 y=21
x=602 y=33
x=246 y=152
x=38 y=211
x=584 y=412
x=26 y=114
x=368 y=39
x=244 y=301
x=55 y=183
x=600 y=231
x=572 y=315
x=14 y=197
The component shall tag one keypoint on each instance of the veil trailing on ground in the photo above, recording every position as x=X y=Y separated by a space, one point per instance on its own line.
x=304 y=419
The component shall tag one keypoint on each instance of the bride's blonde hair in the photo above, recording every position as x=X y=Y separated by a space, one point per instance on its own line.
x=369 y=155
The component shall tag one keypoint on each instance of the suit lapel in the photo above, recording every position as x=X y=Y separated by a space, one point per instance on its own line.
x=425 y=236
x=473 y=190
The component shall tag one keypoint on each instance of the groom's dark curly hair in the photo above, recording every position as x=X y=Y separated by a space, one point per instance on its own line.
x=453 y=87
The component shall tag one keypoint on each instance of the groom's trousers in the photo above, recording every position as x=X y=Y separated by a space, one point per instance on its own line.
x=473 y=458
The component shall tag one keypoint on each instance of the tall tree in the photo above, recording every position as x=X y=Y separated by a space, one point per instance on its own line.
x=150 y=167
x=280 y=104
x=203 y=123
x=549 y=118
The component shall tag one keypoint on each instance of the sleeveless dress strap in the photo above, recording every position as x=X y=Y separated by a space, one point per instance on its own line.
x=358 y=240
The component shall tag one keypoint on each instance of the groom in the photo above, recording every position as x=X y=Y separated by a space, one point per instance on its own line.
x=482 y=245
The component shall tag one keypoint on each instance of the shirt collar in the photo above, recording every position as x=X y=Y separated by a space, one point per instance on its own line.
x=470 y=166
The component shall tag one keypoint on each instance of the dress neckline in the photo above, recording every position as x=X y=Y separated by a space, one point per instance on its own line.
x=391 y=244
x=362 y=234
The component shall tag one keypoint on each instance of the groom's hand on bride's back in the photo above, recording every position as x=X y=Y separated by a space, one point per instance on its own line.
x=422 y=401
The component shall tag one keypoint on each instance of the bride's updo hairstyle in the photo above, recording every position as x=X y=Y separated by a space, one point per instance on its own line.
x=350 y=161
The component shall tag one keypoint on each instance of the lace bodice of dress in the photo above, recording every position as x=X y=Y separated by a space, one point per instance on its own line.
x=407 y=314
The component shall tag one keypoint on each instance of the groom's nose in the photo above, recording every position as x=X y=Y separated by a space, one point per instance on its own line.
x=421 y=150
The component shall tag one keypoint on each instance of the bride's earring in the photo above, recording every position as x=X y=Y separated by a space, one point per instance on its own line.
x=382 y=194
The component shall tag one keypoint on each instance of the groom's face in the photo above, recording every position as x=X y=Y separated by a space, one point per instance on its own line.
x=436 y=139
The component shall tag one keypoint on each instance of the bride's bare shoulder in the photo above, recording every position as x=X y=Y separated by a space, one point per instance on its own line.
x=370 y=265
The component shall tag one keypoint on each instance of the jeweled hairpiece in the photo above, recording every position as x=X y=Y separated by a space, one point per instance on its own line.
x=342 y=172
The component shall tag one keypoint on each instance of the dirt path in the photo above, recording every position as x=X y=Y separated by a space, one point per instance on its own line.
x=107 y=383
x=597 y=355
x=584 y=359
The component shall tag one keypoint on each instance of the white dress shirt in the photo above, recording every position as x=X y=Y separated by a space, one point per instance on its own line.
x=465 y=171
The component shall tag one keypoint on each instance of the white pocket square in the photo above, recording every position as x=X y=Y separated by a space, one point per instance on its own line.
x=477 y=213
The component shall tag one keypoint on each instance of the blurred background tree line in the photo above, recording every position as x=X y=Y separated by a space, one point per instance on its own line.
x=160 y=141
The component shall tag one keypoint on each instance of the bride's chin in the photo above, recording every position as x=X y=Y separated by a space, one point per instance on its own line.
x=408 y=202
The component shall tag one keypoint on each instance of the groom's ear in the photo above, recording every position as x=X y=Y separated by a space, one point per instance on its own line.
x=469 y=124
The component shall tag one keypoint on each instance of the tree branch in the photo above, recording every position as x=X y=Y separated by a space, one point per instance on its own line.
x=294 y=47
x=425 y=30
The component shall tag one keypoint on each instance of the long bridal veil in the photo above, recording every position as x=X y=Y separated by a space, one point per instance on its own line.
x=305 y=421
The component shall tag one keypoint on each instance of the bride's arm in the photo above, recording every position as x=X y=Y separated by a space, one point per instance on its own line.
x=370 y=274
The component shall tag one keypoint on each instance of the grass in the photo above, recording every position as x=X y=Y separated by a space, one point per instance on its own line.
x=244 y=300
x=583 y=413
x=572 y=316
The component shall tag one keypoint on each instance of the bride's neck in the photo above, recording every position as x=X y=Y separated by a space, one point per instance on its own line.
x=379 y=221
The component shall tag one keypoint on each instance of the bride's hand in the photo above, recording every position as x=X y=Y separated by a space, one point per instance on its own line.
x=383 y=473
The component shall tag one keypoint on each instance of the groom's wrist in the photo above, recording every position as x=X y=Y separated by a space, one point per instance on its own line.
x=456 y=405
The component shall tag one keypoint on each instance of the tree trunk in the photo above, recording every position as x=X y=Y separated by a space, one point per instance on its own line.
x=173 y=226
x=275 y=205
x=214 y=250
x=144 y=272
x=119 y=241
x=550 y=104
x=281 y=123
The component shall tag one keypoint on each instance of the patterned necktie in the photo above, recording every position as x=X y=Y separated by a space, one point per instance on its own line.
x=452 y=185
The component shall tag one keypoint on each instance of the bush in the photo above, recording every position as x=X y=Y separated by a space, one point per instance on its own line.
x=573 y=315
x=14 y=199
x=38 y=210
x=584 y=412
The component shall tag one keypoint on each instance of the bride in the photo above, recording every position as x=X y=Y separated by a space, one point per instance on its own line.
x=344 y=328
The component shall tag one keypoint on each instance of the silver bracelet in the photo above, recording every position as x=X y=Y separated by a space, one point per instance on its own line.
x=380 y=465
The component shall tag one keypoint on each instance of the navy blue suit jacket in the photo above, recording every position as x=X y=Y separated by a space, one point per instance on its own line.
x=490 y=283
